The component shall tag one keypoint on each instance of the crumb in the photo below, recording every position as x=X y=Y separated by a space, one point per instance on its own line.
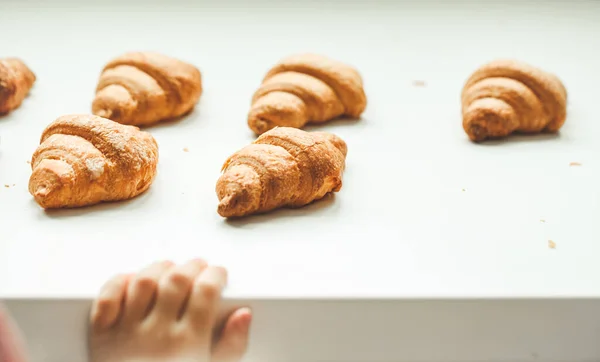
x=185 y=149
x=29 y=162
x=419 y=83
x=463 y=190
x=575 y=164
x=7 y=186
x=14 y=185
x=542 y=221
x=551 y=244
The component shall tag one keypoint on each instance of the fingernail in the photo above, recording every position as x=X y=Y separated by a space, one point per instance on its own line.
x=168 y=263
x=245 y=310
x=245 y=315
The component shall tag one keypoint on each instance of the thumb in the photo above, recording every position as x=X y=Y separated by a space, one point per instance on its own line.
x=233 y=343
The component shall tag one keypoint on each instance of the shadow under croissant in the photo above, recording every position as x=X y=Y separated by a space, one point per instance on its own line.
x=177 y=121
x=317 y=127
x=520 y=138
x=109 y=206
x=313 y=209
x=7 y=115
x=337 y=122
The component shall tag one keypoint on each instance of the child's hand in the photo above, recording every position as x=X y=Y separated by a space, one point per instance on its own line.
x=166 y=312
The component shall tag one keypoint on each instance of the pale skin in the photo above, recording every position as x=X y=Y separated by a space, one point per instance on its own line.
x=165 y=313
x=11 y=342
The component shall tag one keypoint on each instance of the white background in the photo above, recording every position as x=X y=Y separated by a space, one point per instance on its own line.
x=401 y=227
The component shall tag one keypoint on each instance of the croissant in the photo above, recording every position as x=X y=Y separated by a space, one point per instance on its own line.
x=506 y=96
x=306 y=88
x=84 y=160
x=16 y=79
x=283 y=167
x=144 y=88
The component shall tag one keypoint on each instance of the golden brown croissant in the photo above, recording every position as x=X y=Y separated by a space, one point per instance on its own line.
x=15 y=82
x=84 y=160
x=306 y=88
x=506 y=96
x=284 y=167
x=144 y=88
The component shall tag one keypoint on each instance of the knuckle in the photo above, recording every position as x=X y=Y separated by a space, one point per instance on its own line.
x=104 y=302
x=178 y=334
x=146 y=283
x=179 y=279
x=209 y=291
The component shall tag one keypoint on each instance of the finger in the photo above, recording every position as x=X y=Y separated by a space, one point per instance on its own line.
x=205 y=299
x=12 y=347
x=174 y=290
x=142 y=291
x=232 y=345
x=107 y=307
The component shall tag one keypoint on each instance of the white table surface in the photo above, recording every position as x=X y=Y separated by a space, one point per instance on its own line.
x=402 y=225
